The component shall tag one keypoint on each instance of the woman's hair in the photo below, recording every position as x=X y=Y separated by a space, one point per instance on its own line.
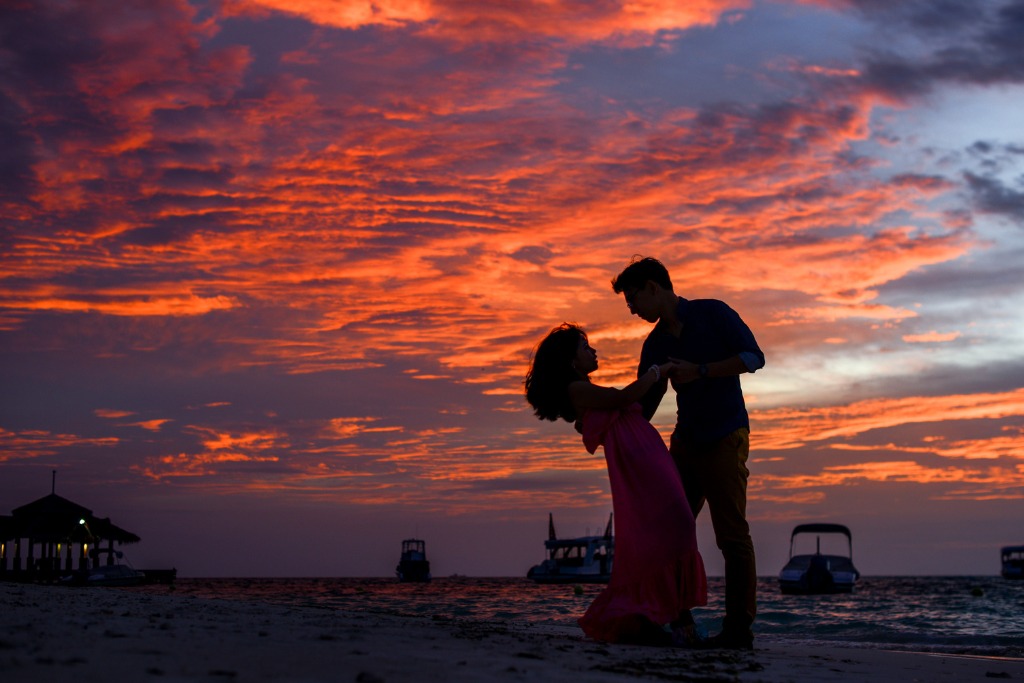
x=551 y=372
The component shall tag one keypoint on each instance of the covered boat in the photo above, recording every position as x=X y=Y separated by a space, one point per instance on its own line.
x=108 y=575
x=584 y=559
x=817 y=573
x=1012 y=557
x=413 y=565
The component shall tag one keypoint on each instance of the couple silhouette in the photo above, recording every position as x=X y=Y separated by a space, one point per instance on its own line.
x=700 y=347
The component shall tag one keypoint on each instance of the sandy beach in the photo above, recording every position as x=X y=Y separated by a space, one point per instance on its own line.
x=55 y=634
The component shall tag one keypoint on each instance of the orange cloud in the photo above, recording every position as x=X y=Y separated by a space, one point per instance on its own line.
x=200 y=465
x=986 y=467
x=151 y=425
x=990 y=448
x=786 y=428
x=932 y=337
x=33 y=444
x=112 y=414
x=352 y=427
x=215 y=440
x=498 y=22
x=144 y=305
x=973 y=484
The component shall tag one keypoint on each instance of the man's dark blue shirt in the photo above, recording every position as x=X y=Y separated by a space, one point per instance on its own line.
x=708 y=409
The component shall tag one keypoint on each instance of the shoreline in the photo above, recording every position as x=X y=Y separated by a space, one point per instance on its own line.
x=58 y=633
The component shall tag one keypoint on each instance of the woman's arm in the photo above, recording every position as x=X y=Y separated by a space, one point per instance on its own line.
x=585 y=395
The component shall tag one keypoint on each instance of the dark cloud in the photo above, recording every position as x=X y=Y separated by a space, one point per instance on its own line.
x=924 y=15
x=34 y=59
x=211 y=214
x=940 y=382
x=538 y=256
x=992 y=276
x=40 y=70
x=16 y=179
x=974 y=43
x=990 y=192
x=1005 y=32
x=195 y=179
x=995 y=156
x=992 y=196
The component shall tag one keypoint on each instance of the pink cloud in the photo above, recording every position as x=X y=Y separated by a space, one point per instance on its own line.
x=582 y=21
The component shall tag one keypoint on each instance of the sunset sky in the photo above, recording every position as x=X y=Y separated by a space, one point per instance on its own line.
x=271 y=271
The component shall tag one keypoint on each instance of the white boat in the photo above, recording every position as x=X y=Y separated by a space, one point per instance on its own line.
x=115 y=575
x=107 y=575
x=1012 y=557
x=818 y=573
x=584 y=559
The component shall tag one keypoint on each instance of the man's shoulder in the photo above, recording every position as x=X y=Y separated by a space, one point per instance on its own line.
x=656 y=342
x=707 y=307
x=707 y=303
x=652 y=337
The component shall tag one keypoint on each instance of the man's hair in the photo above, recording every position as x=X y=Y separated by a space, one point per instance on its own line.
x=551 y=372
x=639 y=272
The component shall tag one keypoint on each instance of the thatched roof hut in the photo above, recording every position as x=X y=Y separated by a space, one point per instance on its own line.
x=55 y=525
x=56 y=519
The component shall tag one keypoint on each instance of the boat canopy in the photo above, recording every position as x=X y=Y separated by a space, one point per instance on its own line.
x=821 y=529
x=414 y=545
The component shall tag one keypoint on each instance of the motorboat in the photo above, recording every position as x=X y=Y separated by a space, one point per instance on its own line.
x=584 y=559
x=413 y=564
x=814 y=574
x=1012 y=557
x=108 y=575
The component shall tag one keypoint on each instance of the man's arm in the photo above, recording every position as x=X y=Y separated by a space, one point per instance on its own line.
x=739 y=340
x=742 y=341
x=749 y=356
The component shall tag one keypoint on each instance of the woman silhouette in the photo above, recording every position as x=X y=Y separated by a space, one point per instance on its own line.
x=658 y=573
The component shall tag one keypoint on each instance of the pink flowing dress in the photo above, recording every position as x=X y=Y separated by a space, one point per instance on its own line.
x=657 y=571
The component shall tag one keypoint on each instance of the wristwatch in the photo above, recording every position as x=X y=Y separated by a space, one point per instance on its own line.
x=702 y=370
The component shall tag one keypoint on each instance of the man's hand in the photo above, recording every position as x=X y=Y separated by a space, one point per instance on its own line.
x=684 y=371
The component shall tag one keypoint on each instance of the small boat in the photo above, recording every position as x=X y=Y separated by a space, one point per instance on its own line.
x=819 y=574
x=1013 y=562
x=107 y=575
x=413 y=566
x=585 y=559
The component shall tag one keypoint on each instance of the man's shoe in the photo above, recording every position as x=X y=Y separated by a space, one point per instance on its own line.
x=728 y=641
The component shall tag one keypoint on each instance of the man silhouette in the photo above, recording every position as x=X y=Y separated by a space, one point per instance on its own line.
x=711 y=440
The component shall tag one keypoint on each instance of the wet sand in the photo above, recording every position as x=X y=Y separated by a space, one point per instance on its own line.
x=81 y=635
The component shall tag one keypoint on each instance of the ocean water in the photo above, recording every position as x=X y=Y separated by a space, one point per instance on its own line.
x=967 y=615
